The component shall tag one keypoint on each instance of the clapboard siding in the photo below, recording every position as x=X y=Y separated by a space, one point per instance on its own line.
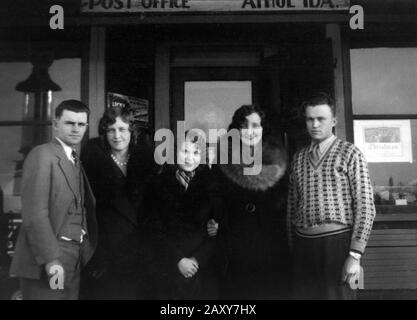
x=397 y=268
x=390 y=260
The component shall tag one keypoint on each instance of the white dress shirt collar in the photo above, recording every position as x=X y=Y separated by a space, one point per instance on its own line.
x=325 y=144
x=67 y=149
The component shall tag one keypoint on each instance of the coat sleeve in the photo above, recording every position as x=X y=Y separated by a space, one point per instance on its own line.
x=212 y=251
x=292 y=201
x=168 y=252
x=36 y=188
x=160 y=250
x=205 y=251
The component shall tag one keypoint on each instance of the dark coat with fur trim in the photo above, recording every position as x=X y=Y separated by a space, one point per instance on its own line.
x=252 y=227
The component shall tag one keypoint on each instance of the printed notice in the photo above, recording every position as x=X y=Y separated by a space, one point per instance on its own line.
x=384 y=140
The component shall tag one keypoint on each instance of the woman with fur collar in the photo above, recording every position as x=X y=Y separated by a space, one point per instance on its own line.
x=252 y=222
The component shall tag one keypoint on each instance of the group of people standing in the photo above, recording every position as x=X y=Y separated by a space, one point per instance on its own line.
x=192 y=230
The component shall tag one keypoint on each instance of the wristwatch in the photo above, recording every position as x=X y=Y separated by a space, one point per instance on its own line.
x=355 y=255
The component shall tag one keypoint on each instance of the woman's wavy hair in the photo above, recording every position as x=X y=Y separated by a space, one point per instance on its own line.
x=239 y=117
x=109 y=117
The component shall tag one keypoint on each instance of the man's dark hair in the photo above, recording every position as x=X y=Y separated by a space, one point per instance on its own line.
x=318 y=99
x=71 y=105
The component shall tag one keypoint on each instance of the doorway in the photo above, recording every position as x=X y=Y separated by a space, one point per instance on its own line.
x=206 y=97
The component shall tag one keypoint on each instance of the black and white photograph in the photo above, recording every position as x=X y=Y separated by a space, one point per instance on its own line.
x=205 y=156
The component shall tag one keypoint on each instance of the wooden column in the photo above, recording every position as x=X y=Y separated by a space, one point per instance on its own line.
x=162 y=85
x=94 y=77
x=334 y=33
x=162 y=110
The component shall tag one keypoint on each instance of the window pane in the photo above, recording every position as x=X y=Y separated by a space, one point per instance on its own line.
x=211 y=104
x=384 y=80
x=12 y=101
x=396 y=180
x=65 y=72
x=15 y=144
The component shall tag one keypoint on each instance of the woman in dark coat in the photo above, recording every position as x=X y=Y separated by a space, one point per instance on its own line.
x=182 y=265
x=117 y=170
x=252 y=226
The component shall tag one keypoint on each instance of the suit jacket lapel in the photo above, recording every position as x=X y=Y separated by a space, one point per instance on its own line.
x=66 y=166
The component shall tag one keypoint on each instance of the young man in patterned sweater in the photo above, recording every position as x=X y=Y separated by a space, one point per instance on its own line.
x=330 y=208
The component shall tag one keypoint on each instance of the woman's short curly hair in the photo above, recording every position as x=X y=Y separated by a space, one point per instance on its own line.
x=239 y=117
x=109 y=117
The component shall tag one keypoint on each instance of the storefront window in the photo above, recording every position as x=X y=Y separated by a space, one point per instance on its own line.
x=384 y=104
x=12 y=100
x=14 y=145
x=390 y=147
x=20 y=131
x=384 y=80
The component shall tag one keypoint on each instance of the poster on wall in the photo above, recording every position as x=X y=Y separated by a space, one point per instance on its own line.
x=139 y=107
x=384 y=140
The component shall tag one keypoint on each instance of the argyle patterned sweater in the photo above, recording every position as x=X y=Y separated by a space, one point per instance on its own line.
x=337 y=189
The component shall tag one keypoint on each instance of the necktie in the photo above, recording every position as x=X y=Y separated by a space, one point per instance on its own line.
x=75 y=157
x=315 y=153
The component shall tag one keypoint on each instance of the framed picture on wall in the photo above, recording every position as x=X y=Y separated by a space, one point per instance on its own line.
x=139 y=107
x=384 y=140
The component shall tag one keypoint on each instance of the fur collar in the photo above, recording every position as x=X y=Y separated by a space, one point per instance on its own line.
x=274 y=164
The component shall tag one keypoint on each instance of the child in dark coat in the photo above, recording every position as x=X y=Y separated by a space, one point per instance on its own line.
x=180 y=202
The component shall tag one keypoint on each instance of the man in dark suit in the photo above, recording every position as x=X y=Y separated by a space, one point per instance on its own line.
x=59 y=229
